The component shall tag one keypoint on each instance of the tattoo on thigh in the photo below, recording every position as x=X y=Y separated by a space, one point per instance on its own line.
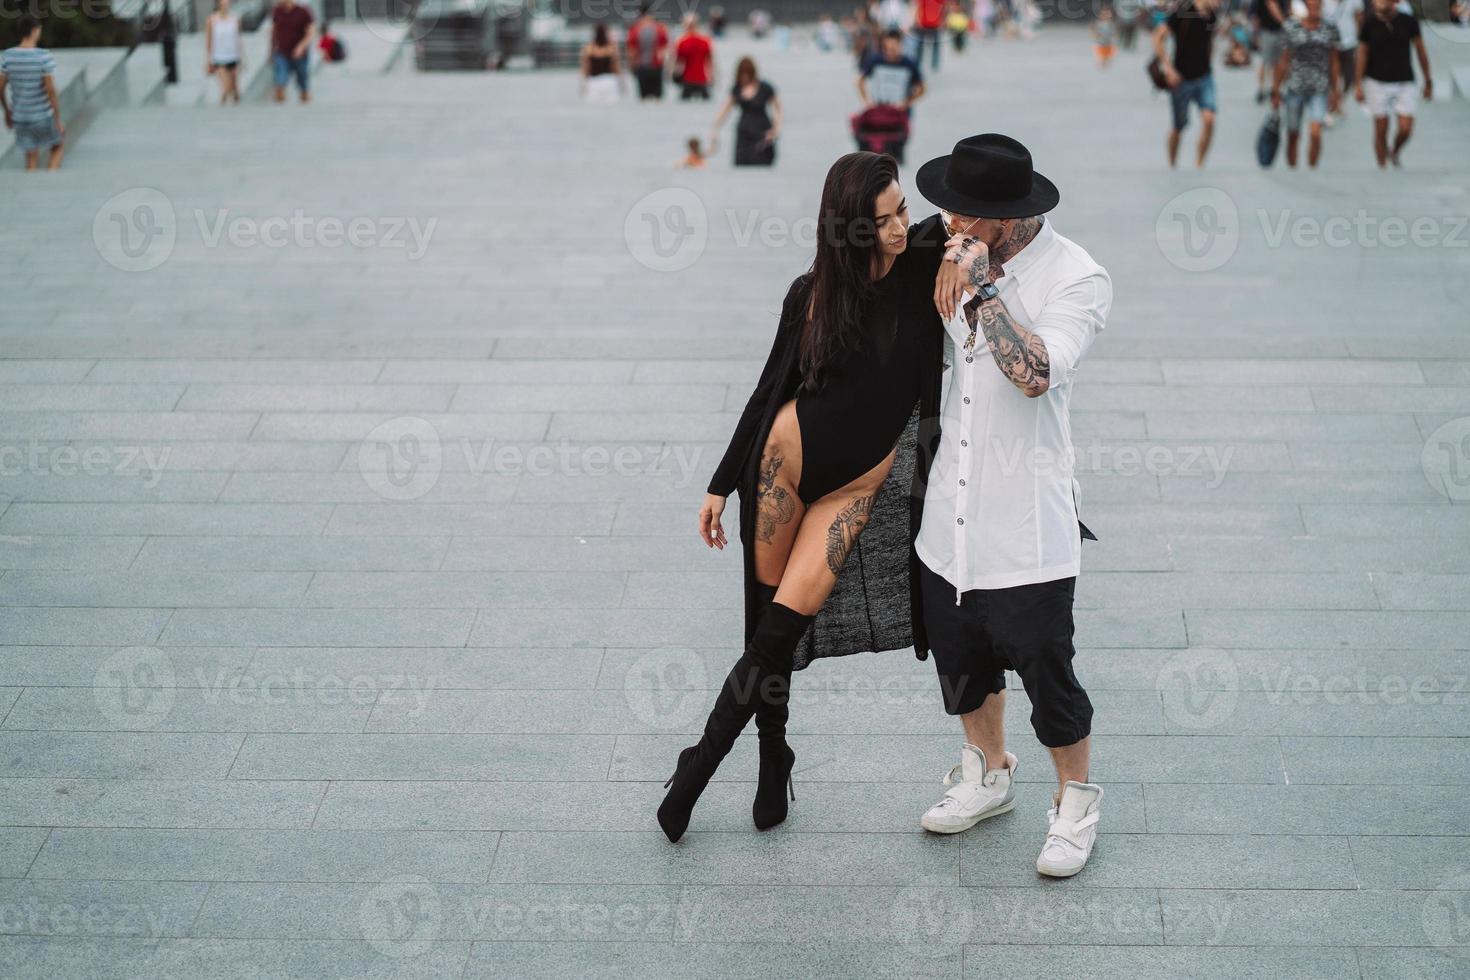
x=773 y=503
x=843 y=533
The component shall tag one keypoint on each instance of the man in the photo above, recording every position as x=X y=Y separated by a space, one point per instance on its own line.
x=890 y=77
x=693 y=56
x=647 y=42
x=1192 y=25
x=292 y=30
x=928 y=18
x=1309 y=67
x=1347 y=17
x=28 y=76
x=1267 y=17
x=1386 y=76
x=1127 y=13
x=999 y=544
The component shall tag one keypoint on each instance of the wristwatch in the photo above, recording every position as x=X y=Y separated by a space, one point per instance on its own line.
x=987 y=292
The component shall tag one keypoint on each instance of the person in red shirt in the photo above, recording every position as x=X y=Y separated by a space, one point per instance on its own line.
x=647 y=42
x=928 y=19
x=292 y=30
x=693 y=61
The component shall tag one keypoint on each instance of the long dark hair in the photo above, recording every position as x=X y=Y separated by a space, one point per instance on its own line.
x=842 y=272
x=599 y=35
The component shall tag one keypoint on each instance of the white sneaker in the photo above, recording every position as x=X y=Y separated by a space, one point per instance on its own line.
x=973 y=794
x=1071 y=831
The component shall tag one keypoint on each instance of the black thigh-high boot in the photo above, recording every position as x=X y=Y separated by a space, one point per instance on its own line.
x=768 y=653
x=777 y=758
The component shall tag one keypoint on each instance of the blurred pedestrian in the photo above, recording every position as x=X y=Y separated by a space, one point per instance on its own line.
x=223 y=56
x=292 y=30
x=1128 y=13
x=1267 y=17
x=602 y=72
x=648 y=40
x=1347 y=17
x=928 y=19
x=1309 y=68
x=759 y=124
x=1192 y=26
x=892 y=77
x=28 y=96
x=693 y=61
x=1103 y=34
x=1386 y=76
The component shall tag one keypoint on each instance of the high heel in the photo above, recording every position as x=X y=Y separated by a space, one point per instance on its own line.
x=770 y=648
x=777 y=761
x=678 y=804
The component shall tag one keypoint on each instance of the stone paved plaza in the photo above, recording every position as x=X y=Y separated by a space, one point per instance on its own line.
x=353 y=613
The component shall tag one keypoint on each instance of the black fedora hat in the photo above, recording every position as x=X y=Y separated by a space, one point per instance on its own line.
x=987 y=176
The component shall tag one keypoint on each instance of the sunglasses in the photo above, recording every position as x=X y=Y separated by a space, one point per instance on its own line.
x=950 y=221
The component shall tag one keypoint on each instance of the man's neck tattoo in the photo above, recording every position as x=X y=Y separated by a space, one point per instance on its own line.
x=1017 y=236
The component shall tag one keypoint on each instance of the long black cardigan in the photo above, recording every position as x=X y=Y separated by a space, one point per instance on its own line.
x=876 y=603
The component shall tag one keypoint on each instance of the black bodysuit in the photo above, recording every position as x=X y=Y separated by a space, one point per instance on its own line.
x=854 y=420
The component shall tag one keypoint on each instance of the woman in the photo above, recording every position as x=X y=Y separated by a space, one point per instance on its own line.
x=601 y=70
x=222 y=51
x=757 y=129
x=825 y=451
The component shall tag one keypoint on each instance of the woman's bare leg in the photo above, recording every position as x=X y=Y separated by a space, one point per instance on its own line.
x=778 y=509
x=827 y=534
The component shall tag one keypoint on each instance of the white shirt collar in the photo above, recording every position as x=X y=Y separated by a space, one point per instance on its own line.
x=1034 y=251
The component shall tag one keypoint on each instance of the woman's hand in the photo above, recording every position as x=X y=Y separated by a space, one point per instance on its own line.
x=966 y=264
x=709 y=521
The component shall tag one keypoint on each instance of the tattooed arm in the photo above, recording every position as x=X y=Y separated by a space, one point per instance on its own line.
x=1020 y=354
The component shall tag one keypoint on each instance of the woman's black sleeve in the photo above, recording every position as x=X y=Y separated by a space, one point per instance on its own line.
x=727 y=474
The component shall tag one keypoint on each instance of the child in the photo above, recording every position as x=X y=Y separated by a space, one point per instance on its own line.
x=957 y=22
x=1103 y=30
x=32 y=109
x=695 y=159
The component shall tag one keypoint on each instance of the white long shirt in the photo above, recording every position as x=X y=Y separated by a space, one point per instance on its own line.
x=1000 y=509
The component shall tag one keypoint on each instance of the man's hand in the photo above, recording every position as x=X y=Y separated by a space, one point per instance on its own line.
x=1334 y=102
x=1276 y=99
x=1428 y=90
x=966 y=265
x=1171 y=75
x=299 y=51
x=60 y=126
x=1358 y=95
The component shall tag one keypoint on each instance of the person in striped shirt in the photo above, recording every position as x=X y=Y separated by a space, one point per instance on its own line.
x=28 y=95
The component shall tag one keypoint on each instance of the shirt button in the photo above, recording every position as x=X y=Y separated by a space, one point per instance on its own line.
x=964 y=442
x=962 y=483
x=959 y=520
x=967 y=399
x=969 y=360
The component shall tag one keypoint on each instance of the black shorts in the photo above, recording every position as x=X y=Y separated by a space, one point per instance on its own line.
x=1028 y=629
